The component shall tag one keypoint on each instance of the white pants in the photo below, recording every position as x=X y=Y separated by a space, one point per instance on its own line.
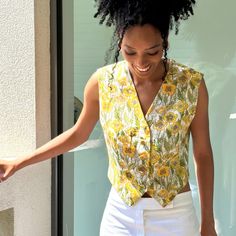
x=148 y=218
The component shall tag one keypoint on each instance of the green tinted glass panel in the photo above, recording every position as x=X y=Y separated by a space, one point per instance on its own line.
x=206 y=43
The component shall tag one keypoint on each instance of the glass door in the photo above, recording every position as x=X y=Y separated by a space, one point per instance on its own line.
x=205 y=42
x=85 y=183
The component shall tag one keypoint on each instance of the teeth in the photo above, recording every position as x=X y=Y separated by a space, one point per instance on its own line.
x=144 y=69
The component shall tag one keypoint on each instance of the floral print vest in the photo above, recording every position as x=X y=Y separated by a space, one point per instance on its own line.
x=147 y=153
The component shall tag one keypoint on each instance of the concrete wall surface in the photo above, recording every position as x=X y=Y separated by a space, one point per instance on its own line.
x=25 y=113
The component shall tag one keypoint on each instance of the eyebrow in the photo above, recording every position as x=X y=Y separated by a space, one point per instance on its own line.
x=155 y=46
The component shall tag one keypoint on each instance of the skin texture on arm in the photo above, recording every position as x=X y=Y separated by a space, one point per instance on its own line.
x=203 y=157
x=64 y=142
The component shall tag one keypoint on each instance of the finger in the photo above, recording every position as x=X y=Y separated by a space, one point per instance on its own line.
x=1 y=174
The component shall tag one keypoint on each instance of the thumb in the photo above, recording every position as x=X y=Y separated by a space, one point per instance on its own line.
x=2 y=176
x=6 y=174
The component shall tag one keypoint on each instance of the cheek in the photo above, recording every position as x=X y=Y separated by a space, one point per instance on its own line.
x=129 y=59
x=157 y=58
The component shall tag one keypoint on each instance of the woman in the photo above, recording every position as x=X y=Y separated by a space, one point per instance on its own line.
x=147 y=105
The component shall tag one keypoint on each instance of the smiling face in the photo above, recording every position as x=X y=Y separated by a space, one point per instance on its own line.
x=142 y=48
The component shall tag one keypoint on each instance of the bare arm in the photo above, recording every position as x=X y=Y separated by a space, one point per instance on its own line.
x=204 y=161
x=69 y=139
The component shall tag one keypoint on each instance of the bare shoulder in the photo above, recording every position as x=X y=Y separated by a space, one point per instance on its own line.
x=200 y=124
x=202 y=105
x=91 y=88
x=90 y=111
x=202 y=102
x=203 y=90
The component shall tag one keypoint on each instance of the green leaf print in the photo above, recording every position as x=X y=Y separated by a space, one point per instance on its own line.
x=150 y=123
x=180 y=181
x=177 y=139
x=126 y=118
x=190 y=97
x=180 y=95
x=117 y=115
x=192 y=85
x=122 y=133
x=165 y=99
x=168 y=132
x=167 y=145
x=157 y=181
x=182 y=163
x=129 y=108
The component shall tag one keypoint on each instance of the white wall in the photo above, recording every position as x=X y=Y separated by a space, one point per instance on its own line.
x=25 y=111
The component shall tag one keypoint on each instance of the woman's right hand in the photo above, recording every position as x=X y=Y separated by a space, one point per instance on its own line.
x=7 y=168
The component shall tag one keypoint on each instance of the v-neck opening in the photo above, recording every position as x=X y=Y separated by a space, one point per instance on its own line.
x=158 y=92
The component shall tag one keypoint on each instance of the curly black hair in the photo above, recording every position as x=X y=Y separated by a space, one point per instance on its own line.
x=122 y=14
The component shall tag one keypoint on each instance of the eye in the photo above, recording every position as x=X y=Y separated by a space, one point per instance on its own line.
x=130 y=53
x=153 y=54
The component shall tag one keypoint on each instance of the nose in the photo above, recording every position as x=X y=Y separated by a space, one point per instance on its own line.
x=141 y=62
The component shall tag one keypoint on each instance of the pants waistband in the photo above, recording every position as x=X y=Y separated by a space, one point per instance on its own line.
x=181 y=199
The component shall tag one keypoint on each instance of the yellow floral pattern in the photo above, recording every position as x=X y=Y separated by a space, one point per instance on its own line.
x=148 y=153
